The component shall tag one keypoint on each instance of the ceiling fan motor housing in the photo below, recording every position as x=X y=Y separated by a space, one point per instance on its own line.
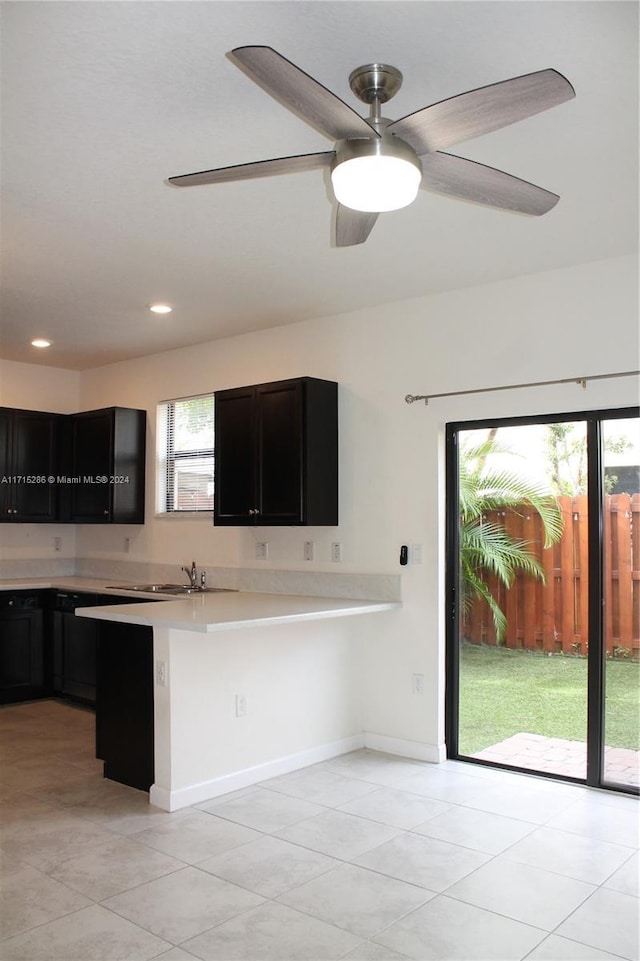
x=386 y=145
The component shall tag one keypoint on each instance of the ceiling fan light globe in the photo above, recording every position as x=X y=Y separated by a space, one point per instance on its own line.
x=376 y=183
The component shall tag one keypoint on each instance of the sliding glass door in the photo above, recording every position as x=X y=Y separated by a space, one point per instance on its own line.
x=543 y=561
x=621 y=625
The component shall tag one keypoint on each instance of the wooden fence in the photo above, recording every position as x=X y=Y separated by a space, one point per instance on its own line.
x=554 y=616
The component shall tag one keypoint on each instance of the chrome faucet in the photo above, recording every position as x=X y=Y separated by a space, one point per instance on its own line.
x=192 y=574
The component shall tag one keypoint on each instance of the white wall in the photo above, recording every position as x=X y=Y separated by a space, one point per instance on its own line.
x=298 y=681
x=562 y=324
x=532 y=328
x=33 y=387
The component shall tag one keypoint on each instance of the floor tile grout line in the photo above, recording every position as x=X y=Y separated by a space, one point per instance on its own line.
x=574 y=939
x=349 y=930
x=509 y=917
x=572 y=877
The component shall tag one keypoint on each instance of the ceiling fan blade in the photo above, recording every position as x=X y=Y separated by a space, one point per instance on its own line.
x=480 y=111
x=300 y=93
x=259 y=168
x=447 y=174
x=353 y=226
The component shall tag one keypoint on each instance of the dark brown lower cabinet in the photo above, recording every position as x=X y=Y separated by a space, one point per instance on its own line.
x=22 y=655
x=74 y=644
x=74 y=657
x=124 y=703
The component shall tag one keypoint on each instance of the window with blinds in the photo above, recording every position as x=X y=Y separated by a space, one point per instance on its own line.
x=185 y=455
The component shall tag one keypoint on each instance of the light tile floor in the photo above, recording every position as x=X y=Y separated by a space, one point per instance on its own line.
x=364 y=856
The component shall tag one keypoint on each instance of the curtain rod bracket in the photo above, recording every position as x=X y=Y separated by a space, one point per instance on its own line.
x=412 y=398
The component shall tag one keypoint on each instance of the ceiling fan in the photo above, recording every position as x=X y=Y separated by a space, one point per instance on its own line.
x=379 y=164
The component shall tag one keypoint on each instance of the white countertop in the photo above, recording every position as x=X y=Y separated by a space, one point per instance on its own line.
x=205 y=612
x=87 y=585
x=236 y=609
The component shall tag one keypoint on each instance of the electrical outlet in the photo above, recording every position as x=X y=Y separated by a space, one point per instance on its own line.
x=262 y=550
x=241 y=705
x=308 y=550
x=336 y=551
x=57 y=543
x=126 y=545
x=418 y=683
x=161 y=673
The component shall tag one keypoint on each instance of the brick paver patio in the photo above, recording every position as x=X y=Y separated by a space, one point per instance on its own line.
x=557 y=756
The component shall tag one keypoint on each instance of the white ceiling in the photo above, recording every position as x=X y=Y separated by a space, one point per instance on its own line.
x=102 y=101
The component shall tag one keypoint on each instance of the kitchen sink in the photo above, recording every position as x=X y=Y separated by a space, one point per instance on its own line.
x=177 y=589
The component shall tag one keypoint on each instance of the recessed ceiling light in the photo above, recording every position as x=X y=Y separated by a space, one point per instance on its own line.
x=40 y=342
x=160 y=308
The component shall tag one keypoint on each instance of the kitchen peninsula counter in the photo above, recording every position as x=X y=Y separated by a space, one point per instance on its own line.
x=207 y=611
x=233 y=686
x=230 y=610
x=247 y=686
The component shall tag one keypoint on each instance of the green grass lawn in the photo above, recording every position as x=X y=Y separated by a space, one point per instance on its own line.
x=505 y=692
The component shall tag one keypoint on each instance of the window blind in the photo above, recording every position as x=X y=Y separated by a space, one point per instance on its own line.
x=185 y=454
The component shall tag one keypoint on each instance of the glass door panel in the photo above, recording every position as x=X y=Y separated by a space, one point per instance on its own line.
x=523 y=561
x=621 y=577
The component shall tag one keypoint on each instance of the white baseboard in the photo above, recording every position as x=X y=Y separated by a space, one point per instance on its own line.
x=207 y=790
x=417 y=750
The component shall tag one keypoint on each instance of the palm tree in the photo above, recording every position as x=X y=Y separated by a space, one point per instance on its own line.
x=485 y=546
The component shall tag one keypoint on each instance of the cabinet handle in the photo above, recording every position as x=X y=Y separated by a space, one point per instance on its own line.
x=254 y=510
x=106 y=513
x=11 y=603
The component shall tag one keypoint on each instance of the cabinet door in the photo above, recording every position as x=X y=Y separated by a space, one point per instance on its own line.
x=6 y=467
x=104 y=454
x=235 y=498
x=34 y=460
x=21 y=655
x=28 y=449
x=279 y=453
x=91 y=447
x=79 y=638
x=57 y=662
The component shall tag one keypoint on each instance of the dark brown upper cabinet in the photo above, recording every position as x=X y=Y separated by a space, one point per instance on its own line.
x=28 y=465
x=105 y=458
x=276 y=454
